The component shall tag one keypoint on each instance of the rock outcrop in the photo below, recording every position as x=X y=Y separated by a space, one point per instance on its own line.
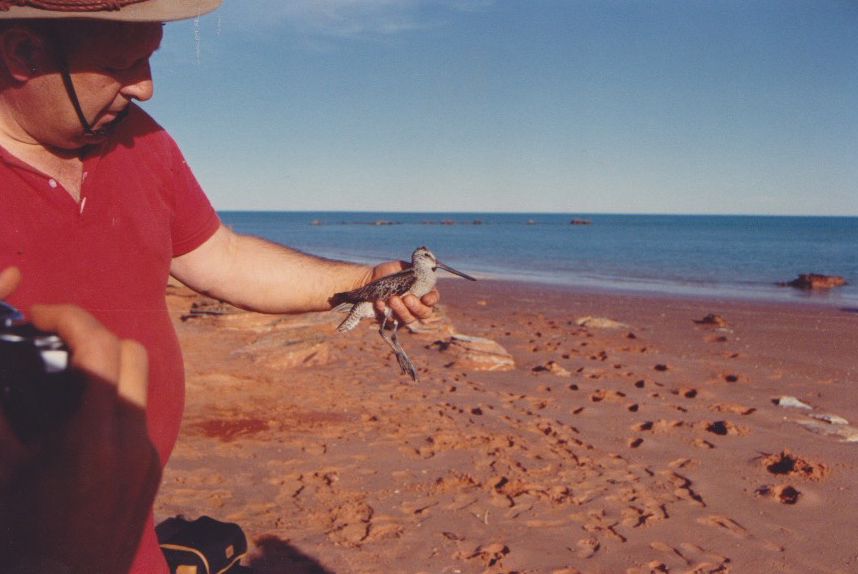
x=815 y=281
x=476 y=353
x=712 y=320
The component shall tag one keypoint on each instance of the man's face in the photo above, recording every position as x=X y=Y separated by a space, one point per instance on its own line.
x=109 y=67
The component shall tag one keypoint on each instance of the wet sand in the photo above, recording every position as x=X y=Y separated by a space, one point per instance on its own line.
x=595 y=433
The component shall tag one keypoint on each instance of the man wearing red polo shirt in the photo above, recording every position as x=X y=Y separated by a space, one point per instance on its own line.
x=99 y=207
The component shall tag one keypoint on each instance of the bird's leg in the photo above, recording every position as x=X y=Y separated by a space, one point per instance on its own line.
x=404 y=362
x=393 y=342
x=381 y=330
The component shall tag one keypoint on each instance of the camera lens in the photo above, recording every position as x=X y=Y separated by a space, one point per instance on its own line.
x=37 y=389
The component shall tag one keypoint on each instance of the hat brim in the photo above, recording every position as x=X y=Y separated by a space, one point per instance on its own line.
x=148 y=11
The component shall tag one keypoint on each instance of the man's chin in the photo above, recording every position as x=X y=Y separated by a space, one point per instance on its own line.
x=94 y=137
x=99 y=134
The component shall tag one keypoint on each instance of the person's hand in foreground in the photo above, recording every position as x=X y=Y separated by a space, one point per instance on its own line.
x=409 y=308
x=76 y=499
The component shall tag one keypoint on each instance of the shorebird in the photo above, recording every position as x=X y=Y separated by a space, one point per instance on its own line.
x=417 y=280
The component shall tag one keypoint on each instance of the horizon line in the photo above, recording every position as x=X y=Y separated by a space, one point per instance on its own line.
x=564 y=213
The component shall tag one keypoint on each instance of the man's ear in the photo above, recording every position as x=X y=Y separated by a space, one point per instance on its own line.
x=22 y=53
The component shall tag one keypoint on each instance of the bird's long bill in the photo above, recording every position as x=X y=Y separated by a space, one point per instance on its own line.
x=453 y=271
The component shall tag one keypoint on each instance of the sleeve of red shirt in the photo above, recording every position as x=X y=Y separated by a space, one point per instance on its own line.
x=195 y=220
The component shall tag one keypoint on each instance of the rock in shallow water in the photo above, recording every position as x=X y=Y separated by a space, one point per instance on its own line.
x=815 y=281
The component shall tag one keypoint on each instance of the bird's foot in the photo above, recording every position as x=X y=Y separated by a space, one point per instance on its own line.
x=406 y=366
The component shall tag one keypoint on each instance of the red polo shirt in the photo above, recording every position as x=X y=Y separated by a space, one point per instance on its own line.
x=110 y=253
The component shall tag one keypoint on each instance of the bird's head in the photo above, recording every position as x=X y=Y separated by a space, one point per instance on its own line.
x=422 y=258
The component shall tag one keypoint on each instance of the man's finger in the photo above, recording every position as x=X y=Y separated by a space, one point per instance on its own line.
x=94 y=348
x=401 y=310
x=431 y=298
x=416 y=307
x=9 y=279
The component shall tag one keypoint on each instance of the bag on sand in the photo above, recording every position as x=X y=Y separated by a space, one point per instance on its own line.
x=202 y=546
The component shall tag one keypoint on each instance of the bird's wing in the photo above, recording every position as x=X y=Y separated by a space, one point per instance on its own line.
x=384 y=288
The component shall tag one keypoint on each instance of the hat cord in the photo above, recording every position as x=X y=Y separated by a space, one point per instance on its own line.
x=70 y=5
x=63 y=65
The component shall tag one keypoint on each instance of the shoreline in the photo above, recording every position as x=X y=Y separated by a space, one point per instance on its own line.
x=763 y=293
x=793 y=297
x=640 y=441
x=678 y=255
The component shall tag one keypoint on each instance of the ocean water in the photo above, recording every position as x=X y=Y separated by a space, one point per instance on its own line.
x=721 y=256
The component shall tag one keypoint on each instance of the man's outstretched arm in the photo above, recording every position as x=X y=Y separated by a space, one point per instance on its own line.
x=256 y=274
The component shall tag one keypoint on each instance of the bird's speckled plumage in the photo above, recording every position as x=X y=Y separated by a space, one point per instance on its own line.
x=418 y=280
x=395 y=284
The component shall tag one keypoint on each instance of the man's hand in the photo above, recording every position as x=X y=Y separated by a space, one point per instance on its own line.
x=409 y=308
x=9 y=279
x=77 y=499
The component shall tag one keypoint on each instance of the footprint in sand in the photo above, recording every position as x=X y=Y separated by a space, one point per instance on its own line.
x=644 y=426
x=784 y=493
x=787 y=464
x=552 y=367
x=600 y=356
x=658 y=426
x=686 y=554
x=489 y=555
x=725 y=428
x=728 y=524
x=728 y=377
x=688 y=393
x=733 y=408
x=587 y=547
x=609 y=396
x=684 y=488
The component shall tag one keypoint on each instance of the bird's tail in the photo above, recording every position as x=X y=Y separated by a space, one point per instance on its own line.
x=358 y=312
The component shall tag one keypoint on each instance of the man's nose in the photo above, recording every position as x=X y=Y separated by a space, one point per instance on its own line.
x=139 y=85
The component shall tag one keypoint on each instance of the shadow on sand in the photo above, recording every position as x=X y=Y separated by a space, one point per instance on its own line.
x=279 y=557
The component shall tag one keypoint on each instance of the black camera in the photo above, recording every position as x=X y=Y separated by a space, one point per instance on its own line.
x=38 y=388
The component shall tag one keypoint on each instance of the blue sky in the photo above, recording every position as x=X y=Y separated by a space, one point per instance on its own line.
x=572 y=106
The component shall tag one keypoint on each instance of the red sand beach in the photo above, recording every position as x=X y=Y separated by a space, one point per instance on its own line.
x=594 y=433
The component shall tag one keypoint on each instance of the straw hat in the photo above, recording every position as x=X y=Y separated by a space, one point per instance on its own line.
x=119 y=10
